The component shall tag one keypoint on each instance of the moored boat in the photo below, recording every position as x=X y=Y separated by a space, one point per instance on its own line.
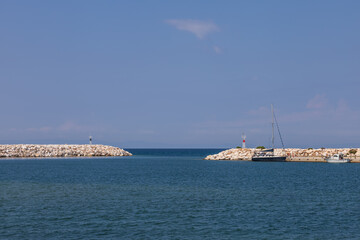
x=337 y=158
x=268 y=155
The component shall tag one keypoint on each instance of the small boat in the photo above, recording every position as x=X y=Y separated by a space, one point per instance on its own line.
x=337 y=158
x=267 y=155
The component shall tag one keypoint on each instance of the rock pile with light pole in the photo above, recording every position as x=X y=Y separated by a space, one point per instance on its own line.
x=60 y=150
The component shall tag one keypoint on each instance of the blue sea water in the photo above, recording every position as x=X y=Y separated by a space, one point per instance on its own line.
x=175 y=194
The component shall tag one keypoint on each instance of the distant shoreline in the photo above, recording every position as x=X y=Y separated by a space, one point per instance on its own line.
x=60 y=151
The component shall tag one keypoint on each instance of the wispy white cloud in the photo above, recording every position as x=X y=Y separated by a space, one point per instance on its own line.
x=308 y=115
x=318 y=109
x=199 y=28
x=317 y=119
x=342 y=107
x=319 y=101
x=217 y=50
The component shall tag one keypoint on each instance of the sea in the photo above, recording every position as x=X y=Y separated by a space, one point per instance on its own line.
x=176 y=194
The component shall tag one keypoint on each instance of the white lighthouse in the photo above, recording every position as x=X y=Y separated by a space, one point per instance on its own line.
x=243 y=136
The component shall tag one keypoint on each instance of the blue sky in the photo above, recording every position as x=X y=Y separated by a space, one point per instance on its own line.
x=180 y=73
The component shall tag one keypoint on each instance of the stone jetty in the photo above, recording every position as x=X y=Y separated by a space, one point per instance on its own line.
x=293 y=154
x=62 y=150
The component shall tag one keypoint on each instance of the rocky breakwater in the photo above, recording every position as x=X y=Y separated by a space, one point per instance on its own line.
x=233 y=154
x=34 y=150
x=293 y=154
x=319 y=155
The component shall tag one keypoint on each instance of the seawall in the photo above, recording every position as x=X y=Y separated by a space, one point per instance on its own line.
x=293 y=154
x=60 y=150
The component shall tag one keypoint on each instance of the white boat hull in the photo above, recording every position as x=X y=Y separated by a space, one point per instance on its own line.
x=338 y=160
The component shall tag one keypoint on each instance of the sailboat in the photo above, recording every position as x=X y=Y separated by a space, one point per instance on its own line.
x=267 y=155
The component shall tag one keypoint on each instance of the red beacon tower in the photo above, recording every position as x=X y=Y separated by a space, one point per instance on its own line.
x=243 y=136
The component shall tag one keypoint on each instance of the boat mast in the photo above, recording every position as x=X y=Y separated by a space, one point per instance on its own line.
x=272 y=124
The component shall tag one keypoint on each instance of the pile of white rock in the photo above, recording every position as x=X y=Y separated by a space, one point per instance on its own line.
x=321 y=152
x=61 y=150
x=233 y=154
x=291 y=153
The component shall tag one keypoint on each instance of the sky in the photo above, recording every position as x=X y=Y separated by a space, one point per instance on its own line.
x=180 y=74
